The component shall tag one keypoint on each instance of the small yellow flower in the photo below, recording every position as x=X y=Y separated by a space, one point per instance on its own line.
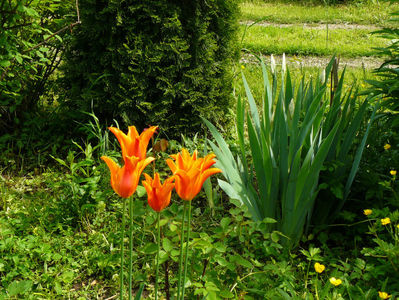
x=363 y=85
x=319 y=267
x=393 y=172
x=335 y=281
x=328 y=85
x=397 y=226
x=367 y=212
x=385 y=221
x=242 y=67
x=383 y=295
x=387 y=146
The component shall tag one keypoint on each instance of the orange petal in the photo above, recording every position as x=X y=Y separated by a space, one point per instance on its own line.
x=183 y=185
x=132 y=133
x=123 y=140
x=114 y=169
x=146 y=135
x=144 y=163
x=204 y=176
x=171 y=165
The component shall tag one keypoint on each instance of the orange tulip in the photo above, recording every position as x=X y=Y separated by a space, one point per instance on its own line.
x=191 y=172
x=124 y=180
x=132 y=144
x=158 y=194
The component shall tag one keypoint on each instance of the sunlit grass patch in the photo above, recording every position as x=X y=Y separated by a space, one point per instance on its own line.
x=281 y=12
x=253 y=73
x=309 y=41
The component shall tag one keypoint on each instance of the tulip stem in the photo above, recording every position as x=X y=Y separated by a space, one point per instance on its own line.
x=186 y=254
x=159 y=243
x=122 y=247
x=181 y=250
x=130 y=245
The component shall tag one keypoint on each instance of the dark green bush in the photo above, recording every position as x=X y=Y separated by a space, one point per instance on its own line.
x=152 y=62
x=26 y=61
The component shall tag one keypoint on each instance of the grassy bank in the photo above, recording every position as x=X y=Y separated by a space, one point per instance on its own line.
x=309 y=41
x=376 y=13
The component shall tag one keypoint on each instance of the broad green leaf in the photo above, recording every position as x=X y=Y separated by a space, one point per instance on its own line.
x=150 y=248
x=167 y=244
x=19 y=287
x=141 y=192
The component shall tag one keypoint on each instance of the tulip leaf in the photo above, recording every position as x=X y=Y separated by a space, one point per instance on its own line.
x=139 y=292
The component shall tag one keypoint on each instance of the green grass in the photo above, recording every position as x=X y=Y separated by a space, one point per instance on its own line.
x=309 y=41
x=282 y=12
x=253 y=74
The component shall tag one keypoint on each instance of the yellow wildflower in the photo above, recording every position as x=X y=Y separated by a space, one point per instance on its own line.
x=367 y=212
x=242 y=67
x=335 y=281
x=383 y=295
x=387 y=146
x=385 y=221
x=319 y=267
x=393 y=172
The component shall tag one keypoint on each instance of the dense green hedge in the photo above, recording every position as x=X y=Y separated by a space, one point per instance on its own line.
x=152 y=62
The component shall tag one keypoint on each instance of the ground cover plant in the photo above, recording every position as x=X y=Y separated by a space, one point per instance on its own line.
x=61 y=219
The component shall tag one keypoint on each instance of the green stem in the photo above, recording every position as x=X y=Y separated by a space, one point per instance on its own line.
x=307 y=274
x=159 y=243
x=181 y=251
x=122 y=247
x=186 y=254
x=130 y=246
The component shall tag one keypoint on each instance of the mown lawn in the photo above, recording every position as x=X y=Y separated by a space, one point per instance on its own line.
x=367 y=12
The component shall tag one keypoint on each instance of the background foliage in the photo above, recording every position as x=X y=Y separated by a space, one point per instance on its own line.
x=26 y=62
x=156 y=62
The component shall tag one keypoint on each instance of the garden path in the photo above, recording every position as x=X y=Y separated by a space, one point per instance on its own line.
x=319 y=26
x=318 y=61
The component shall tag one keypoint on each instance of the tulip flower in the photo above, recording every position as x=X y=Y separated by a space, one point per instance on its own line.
x=158 y=198
x=158 y=194
x=134 y=144
x=191 y=172
x=124 y=180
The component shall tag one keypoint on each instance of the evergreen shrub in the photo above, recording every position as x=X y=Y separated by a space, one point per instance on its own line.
x=152 y=62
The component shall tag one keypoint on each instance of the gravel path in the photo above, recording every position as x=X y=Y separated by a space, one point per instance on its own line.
x=318 y=61
x=319 y=26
